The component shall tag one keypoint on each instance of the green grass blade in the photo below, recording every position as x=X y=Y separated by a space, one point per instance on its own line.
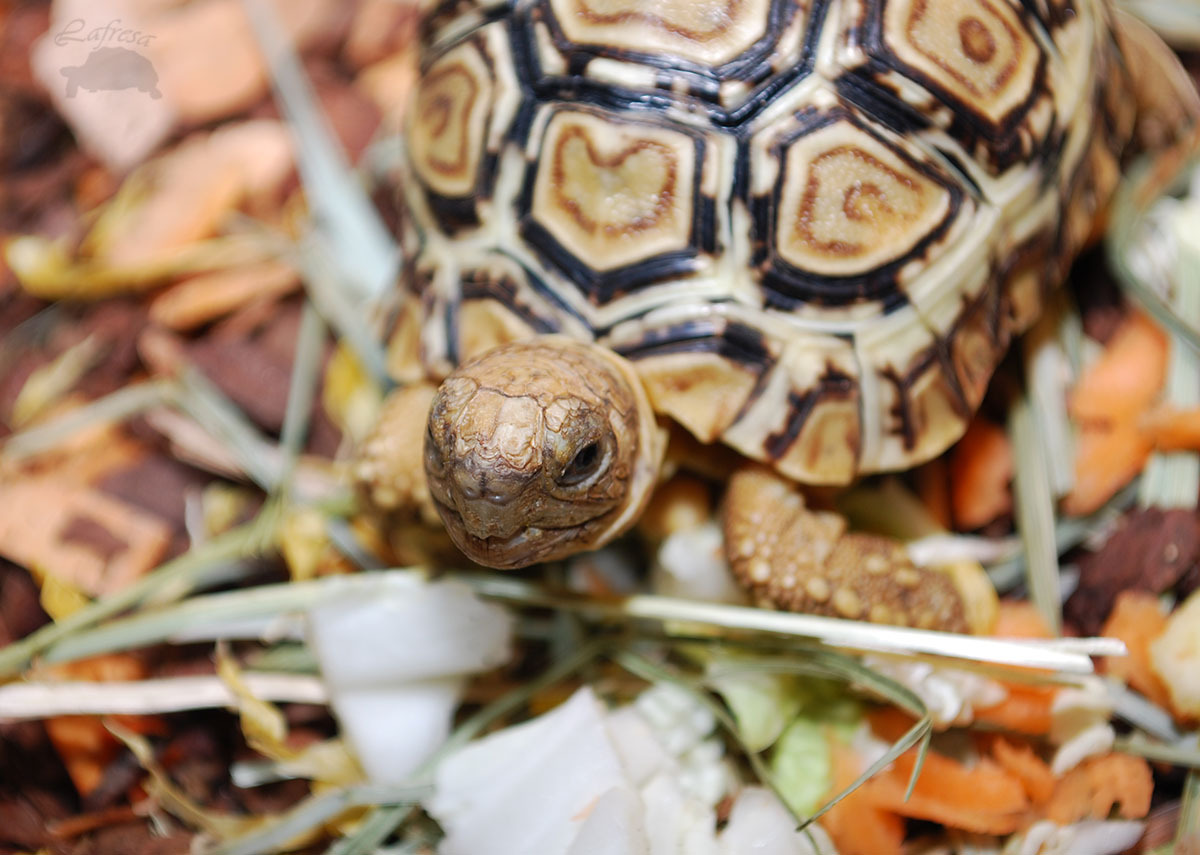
x=1034 y=507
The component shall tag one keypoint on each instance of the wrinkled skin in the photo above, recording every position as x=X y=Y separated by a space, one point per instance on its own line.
x=538 y=450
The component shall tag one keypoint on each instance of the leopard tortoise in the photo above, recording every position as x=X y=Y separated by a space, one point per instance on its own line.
x=807 y=229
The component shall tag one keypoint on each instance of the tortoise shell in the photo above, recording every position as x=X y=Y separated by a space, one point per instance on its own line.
x=812 y=226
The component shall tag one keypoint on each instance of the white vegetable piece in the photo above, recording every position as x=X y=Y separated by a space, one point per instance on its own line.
x=580 y=780
x=950 y=694
x=1090 y=837
x=691 y=565
x=412 y=629
x=615 y=826
x=531 y=787
x=394 y=660
x=759 y=823
x=1080 y=724
x=394 y=729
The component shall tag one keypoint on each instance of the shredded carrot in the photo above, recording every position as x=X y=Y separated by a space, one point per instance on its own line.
x=1021 y=761
x=1027 y=709
x=984 y=798
x=1020 y=619
x=1168 y=429
x=1137 y=620
x=1127 y=377
x=890 y=723
x=981 y=468
x=83 y=742
x=1092 y=789
x=857 y=826
x=1109 y=403
x=1107 y=457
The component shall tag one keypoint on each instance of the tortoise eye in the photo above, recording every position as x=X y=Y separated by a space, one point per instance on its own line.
x=582 y=466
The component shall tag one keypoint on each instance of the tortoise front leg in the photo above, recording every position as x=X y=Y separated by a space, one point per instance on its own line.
x=799 y=559
x=390 y=468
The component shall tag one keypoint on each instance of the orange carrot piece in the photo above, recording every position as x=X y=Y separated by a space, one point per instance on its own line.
x=1092 y=789
x=1109 y=403
x=83 y=742
x=1033 y=773
x=1025 y=710
x=985 y=786
x=1072 y=798
x=984 y=798
x=1020 y=619
x=1137 y=620
x=1107 y=457
x=1120 y=778
x=890 y=723
x=1169 y=429
x=85 y=748
x=1127 y=377
x=856 y=826
x=981 y=468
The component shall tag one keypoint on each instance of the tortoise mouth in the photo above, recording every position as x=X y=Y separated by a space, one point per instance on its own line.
x=529 y=545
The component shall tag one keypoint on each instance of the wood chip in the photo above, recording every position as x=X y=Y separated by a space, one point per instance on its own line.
x=1151 y=551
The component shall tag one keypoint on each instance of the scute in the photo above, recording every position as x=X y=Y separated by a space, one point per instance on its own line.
x=612 y=192
x=849 y=204
x=812 y=225
x=706 y=32
x=987 y=59
x=446 y=129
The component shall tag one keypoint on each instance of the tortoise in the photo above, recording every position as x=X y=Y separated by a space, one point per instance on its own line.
x=805 y=229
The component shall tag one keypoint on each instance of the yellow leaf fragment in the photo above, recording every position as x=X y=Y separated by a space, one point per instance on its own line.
x=48 y=384
x=303 y=542
x=176 y=801
x=263 y=724
x=351 y=399
x=60 y=599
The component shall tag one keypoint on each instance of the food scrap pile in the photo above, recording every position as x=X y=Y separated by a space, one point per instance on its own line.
x=209 y=646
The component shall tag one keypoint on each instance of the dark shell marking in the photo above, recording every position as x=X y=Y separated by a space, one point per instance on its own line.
x=831 y=214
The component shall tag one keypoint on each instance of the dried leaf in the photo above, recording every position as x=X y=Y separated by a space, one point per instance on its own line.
x=209 y=296
x=203 y=83
x=50 y=382
x=77 y=534
x=163 y=220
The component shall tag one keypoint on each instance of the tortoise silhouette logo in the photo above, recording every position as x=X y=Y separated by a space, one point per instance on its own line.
x=111 y=69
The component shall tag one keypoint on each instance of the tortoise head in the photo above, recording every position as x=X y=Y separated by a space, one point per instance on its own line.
x=537 y=450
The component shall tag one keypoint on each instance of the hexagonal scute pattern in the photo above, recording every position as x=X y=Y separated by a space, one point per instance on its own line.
x=801 y=218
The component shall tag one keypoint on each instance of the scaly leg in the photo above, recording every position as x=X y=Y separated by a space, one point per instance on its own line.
x=795 y=558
